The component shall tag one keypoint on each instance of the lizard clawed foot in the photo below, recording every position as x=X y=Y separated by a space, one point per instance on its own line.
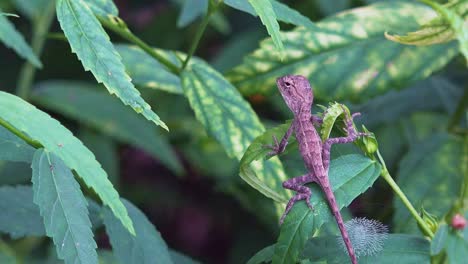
x=275 y=149
x=293 y=200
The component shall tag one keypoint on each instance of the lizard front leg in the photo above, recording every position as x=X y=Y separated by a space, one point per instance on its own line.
x=279 y=147
x=316 y=120
x=351 y=136
x=303 y=193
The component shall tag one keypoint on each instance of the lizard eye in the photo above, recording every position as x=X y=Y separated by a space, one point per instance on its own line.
x=288 y=84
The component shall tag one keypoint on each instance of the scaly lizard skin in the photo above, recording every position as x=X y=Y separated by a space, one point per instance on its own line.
x=298 y=95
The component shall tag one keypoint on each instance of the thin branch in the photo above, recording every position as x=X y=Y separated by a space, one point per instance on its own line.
x=122 y=30
x=28 y=71
x=387 y=177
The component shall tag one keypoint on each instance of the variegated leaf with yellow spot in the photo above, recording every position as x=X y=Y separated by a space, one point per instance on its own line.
x=348 y=56
x=230 y=119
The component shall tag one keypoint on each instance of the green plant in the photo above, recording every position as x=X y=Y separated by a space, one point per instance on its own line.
x=401 y=63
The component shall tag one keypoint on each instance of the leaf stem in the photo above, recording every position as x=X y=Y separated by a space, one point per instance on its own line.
x=198 y=35
x=118 y=27
x=459 y=111
x=20 y=134
x=387 y=177
x=41 y=27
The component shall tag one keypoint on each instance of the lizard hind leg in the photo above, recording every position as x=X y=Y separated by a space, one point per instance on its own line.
x=303 y=193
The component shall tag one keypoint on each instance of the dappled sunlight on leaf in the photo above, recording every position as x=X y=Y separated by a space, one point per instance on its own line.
x=348 y=56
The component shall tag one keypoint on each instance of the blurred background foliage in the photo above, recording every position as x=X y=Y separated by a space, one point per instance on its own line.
x=184 y=181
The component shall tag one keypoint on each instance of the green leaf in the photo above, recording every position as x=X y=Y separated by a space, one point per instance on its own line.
x=87 y=104
x=418 y=98
x=30 y=8
x=257 y=151
x=456 y=247
x=90 y=42
x=347 y=56
x=398 y=248
x=12 y=173
x=107 y=257
x=7 y=254
x=264 y=255
x=283 y=12
x=241 y=43
x=14 y=40
x=146 y=247
x=57 y=139
x=147 y=71
x=349 y=175
x=20 y=216
x=435 y=32
x=63 y=208
x=430 y=175
x=102 y=7
x=191 y=10
x=439 y=241
x=267 y=15
x=329 y=118
x=229 y=118
x=456 y=22
x=8 y=14
x=13 y=148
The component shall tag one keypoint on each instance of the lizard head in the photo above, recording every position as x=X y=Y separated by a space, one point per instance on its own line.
x=296 y=92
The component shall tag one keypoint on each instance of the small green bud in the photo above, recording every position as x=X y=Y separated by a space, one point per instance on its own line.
x=430 y=220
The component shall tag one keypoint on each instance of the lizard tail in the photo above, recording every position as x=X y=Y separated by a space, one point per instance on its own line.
x=339 y=220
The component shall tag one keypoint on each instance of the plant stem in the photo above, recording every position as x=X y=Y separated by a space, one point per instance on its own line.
x=41 y=27
x=387 y=177
x=20 y=134
x=198 y=35
x=459 y=111
x=122 y=30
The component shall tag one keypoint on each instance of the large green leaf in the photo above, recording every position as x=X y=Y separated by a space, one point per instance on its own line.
x=90 y=42
x=57 y=139
x=349 y=175
x=86 y=103
x=144 y=248
x=283 y=12
x=13 y=148
x=191 y=10
x=12 y=173
x=398 y=248
x=229 y=118
x=63 y=208
x=347 y=57
x=262 y=256
x=147 y=71
x=430 y=175
x=432 y=94
x=20 y=216
x=267 y=15
x=14 y=40
x=30 y=8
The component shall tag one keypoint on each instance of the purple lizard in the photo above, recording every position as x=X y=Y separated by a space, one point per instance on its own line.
x=298 y=95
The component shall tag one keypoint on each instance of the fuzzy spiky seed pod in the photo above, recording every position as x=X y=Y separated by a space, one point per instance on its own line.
x=367 y=236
